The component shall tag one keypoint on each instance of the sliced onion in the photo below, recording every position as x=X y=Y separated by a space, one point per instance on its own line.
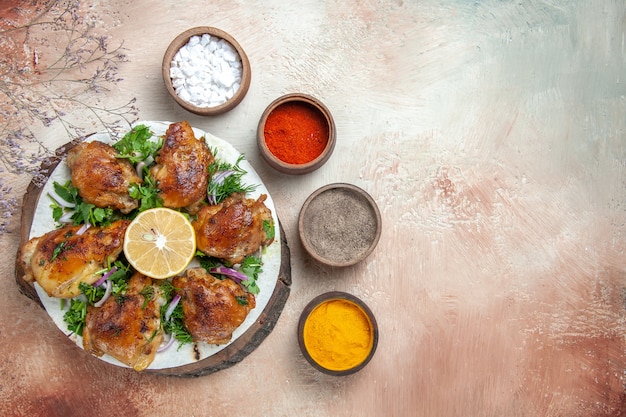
x=141 y=165
x=171 y=307
x=105 y=276
x=83 y=229
x=139 y=169
x=167 y=345
x=107 y=294
x=219 y=177
x=230 y=272
x=60 y=201
x=66 y=217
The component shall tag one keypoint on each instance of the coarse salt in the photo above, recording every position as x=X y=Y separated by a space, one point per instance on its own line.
x=206 y=71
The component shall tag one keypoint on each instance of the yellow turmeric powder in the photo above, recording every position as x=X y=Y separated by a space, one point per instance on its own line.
x=338 y=335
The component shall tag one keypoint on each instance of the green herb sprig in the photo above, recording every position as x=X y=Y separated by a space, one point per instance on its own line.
x=252 y=267
x=77 y=313
x=175 y=325
x=82 y=212
x=75 y=316
x=228 y=184
x=268 y=228
x=147 y=194
x=136 y=145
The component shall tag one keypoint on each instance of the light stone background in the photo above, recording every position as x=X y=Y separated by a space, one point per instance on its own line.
x=492 y=136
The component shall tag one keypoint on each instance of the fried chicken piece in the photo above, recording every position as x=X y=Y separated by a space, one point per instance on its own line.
x=234 y=228
x=101 y=178
x=213 y=308
x=181 y=169
x=127 y=327
x=61 y=259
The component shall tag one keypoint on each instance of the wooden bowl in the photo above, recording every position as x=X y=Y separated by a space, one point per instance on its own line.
x=316 y=345
x=313 y=107
x=339 y=224
x=180 y=41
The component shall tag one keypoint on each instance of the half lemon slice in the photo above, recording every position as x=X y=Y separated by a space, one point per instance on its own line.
x=160 y=243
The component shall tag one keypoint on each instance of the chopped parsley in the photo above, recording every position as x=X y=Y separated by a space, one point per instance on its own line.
x=77 y=313
x=75 y=316
x=82 y=212
x=207 y=262
x=136 y=145
x=63 y=246
x=147 y=194
x=92 y=293
x=252 y=267
x=176 y=326
x=268 y=228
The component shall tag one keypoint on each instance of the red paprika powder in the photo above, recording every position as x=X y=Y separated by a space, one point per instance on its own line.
x=296 y=132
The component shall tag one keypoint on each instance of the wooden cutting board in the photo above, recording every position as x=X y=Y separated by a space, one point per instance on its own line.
x=227 y=357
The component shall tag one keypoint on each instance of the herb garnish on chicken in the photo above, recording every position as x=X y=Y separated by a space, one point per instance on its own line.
x=116 y=276
x=225 y=180
x=238 y=272
x=137 y=147
x=69 y=207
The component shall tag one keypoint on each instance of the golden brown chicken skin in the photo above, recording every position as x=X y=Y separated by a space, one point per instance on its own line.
x=212 y=308
x=61 y=259
x=102 y=179
x=181 y=170
x=233 y=229
x=127 y=327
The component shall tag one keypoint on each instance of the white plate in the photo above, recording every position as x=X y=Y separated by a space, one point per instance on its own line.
x=43 y=222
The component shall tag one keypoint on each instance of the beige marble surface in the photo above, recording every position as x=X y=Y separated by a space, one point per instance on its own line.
x=492 y=135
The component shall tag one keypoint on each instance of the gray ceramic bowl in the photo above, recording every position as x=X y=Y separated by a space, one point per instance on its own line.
x=339 y=224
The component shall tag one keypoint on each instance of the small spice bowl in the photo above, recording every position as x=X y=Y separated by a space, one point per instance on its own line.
x=206 y=71
x=339 y=224
x=337 y=333
x=296 y=134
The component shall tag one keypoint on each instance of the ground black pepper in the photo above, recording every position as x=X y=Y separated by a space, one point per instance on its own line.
x=340 y=225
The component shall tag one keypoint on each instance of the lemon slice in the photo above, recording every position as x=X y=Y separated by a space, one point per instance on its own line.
x=160 y=243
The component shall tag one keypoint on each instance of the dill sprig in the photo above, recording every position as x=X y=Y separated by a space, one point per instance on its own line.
x=226 y=179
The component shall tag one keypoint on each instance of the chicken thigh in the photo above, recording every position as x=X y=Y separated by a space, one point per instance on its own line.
x=213 y=308
x=234 y=228
x=61 y=259
x=102 y=179
x=181 y=170
x=127 y=327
